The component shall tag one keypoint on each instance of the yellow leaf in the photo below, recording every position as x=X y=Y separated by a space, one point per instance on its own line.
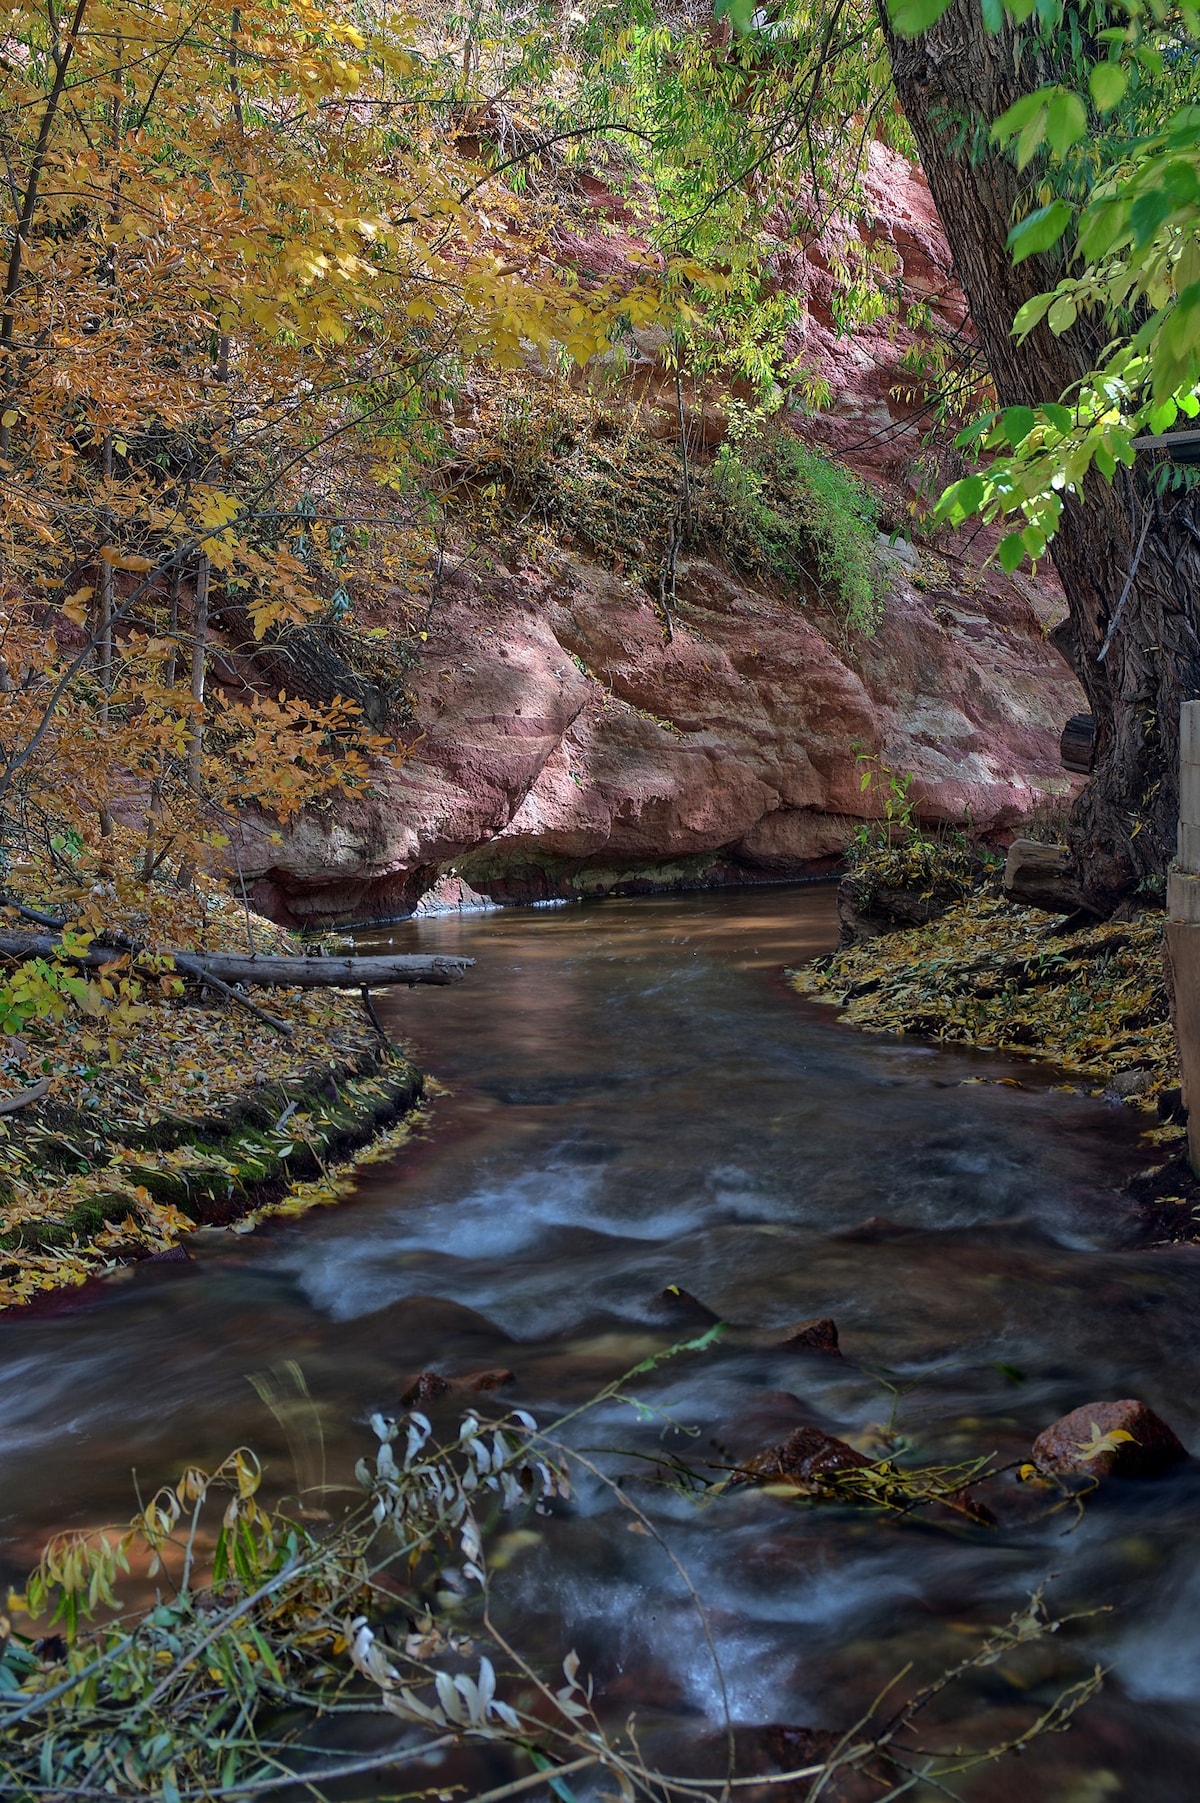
x=75 y=606
x=125 y=560
x=1091 y=1449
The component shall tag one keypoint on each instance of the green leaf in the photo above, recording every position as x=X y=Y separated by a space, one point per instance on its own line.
x=1107 y=83
x=1063 y=315
x=1012 y=553
x=1060 y=417
x=1031 y=314
x=962 y=499
x=1105 y=462
x=1177 y=347
x=1104 y=222
x=911 y=17
x=1034 y=541
x=993 y=16
x=1017 y=424
x=740 y=13
x=1149 y=211
x=1030 y=140
x=1018 y=115
x=1040 y=231
x=1066 y=121
x=971 y=435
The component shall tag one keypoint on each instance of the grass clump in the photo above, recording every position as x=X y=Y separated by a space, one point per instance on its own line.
x=163 y=1112
x=773 y=507
x=788 y=511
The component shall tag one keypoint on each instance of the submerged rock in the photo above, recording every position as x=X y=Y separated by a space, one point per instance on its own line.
x=817 y=1335
x=431 y=1386
x=679 y=1308
x=1108 y=1439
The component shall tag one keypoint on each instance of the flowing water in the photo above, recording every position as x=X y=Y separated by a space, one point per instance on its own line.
x=638 y=1100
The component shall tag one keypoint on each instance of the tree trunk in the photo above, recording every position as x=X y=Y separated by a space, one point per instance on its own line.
x=953 y=83
x=265 y=971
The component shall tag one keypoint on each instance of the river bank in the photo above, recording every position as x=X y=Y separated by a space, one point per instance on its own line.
x=1092 y=1003
x=174 y=1111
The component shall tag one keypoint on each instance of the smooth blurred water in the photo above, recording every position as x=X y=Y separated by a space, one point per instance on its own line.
x=638 y=1099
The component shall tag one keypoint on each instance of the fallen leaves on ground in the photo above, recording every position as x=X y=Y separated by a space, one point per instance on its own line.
x=996 y=976
x=207 y=1116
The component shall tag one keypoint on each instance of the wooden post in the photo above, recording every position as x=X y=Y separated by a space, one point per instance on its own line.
x=1183 y=923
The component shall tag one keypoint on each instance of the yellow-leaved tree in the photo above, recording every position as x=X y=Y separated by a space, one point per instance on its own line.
x=244 y=247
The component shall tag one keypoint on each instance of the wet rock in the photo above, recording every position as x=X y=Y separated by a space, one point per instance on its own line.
x=1130 y=1083
x=173 y=1255
x=817 y=1335
x=430 y=1386
x=497 y=1379
x=873 y=1229
x=1063 y=1448
x=805 y=1457
x=679 y=1308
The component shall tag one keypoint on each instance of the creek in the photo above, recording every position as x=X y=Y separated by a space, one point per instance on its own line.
x=638 y=1100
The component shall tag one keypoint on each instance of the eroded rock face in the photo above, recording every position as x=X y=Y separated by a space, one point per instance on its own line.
x=566 y=748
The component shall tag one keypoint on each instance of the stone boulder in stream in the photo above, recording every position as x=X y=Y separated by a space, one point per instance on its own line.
x=1108 y=1439
x=806 y=1457
x=818 y=1335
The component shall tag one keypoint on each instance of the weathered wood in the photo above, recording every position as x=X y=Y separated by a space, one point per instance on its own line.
x=24 y=1097
x=1041 y=876
x=1077 y=747
x=267 y=971
x=1182 y=951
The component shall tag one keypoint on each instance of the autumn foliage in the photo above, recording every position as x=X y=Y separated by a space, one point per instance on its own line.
x=248 y=248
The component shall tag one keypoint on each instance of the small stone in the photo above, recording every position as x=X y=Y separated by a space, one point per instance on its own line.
x=1065 y=1447
x=173 y=1255
x=806 y=1456
x=499 y=1379
x=681 y=1308
x=428 y=1387
x=1130 y=1083
x=817 y=1335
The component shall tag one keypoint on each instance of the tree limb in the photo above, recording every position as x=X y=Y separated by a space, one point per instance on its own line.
x=263 y=971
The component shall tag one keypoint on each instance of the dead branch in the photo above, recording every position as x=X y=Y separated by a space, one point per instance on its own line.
x=261 y=970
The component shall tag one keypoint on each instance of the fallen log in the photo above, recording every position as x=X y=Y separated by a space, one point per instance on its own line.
x=260 y=970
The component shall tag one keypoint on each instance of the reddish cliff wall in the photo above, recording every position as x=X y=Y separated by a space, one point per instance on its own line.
x=565 y=748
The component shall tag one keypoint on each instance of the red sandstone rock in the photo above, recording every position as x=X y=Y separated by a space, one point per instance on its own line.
x=431 y=1386
x=499 y=1379
x=1062 y=1448
x=562 y=748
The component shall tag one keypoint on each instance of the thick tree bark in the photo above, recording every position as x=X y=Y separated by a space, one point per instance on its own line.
x=953 y=83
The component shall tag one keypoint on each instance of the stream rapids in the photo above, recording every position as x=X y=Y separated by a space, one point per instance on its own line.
x=638 y=1100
